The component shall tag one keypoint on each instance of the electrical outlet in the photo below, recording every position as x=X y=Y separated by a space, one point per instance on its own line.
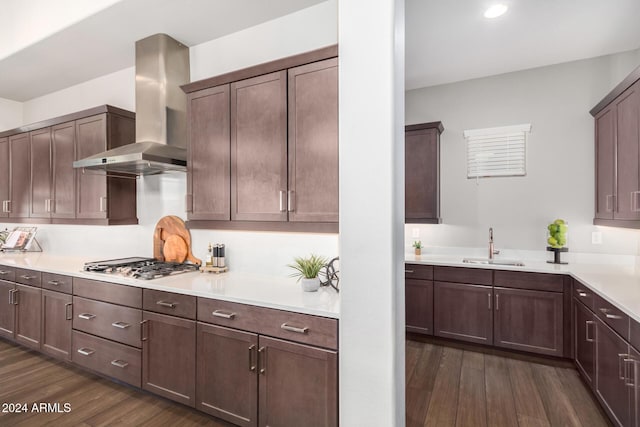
x=596 y=237
x=415 y=233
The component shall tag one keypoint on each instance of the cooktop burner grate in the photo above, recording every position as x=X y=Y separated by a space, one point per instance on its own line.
x=139 y=268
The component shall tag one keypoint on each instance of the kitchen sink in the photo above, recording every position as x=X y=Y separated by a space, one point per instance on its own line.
x=493 y=261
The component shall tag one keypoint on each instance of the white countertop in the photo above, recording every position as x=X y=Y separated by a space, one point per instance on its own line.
x=617 y=283
x=282 y=293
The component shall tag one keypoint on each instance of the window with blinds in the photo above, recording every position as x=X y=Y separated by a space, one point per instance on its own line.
x=497 y=151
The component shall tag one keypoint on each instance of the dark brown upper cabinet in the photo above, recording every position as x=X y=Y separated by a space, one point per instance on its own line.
x=4 y=177
x=422 y=173
x=263 y=146
x=39 y=184
x=617 y=152
x=209 y=154
x=259 y=148
x=313 y=142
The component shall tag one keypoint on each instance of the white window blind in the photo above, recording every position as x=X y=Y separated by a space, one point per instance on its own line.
x=497 y=151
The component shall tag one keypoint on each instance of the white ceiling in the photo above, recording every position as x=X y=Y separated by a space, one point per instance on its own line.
x=450 y=40
x=446 y=40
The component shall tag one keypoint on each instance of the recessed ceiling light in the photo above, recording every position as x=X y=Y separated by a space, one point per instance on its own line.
x=495 y=11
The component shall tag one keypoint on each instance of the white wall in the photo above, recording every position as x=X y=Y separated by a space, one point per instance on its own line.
x=10 y=114
x=164 y=195
x=560 y=156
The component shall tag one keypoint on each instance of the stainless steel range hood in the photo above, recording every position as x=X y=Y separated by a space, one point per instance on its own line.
x=162 y=65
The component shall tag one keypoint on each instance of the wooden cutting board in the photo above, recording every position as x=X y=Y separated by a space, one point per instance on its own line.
x=172 y=241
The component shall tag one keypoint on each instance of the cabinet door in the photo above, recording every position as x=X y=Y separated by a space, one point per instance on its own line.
x=298 y=385
x=418 y=295
x=585 y=332
x=227 y=383
x=422 y=176
x=463 y=312
x=56 y=324
x=7 y=310
x=19 y=192
x=633 y=373
x=63 y=194
x=4 y=177
x=169 y=357
x=91 y=135
x=528 y=321
x=313 y=142
x=208 y=175
x=259 y=148
x=628 y=153
x=611 y=350
x=605 y=162
x=40 y=156
x=28 y=315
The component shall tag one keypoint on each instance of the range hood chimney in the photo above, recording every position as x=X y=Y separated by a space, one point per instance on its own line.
x=162 y=65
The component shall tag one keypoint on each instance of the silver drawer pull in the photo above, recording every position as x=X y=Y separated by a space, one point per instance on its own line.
x=166 y=304
x=119 y=363
x=608 y=315
x=4 y=272
x=294 y=329
x=408 y=271
x=86 y=316
x=85 y=351
x=53 y=282
x=25 y=277
x=581 y=293
x=120 y=325
x=220 y=313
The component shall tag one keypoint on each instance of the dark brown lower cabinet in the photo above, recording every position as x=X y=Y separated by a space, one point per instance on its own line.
x=169 y=357
x=463 y=312
x=7 y=309
x=528 y=320
x=612 y=373
x=419 y=306
x=227 y=381
x=633 y=378
x=585 y=337
x=56 y=324
x=297 y=385
x=28 y=305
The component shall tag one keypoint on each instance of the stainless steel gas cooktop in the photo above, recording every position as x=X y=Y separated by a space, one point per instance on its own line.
x=139 y=267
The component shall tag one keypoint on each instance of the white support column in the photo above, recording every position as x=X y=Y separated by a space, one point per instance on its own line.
x=371 y=40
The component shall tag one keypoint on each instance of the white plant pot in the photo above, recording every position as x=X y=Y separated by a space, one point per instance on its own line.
x=310 y=285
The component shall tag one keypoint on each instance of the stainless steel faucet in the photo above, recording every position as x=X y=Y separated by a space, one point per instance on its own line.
x=492 y=251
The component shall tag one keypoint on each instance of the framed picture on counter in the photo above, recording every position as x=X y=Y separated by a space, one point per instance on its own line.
x=19 y=239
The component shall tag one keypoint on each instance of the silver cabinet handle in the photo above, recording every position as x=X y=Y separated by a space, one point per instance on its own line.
x=281 y=195
x=4 y=272
x=15 y=300
x=262 y=358
x=581 y=293
x=8 y=209
x=627 y=378
x=12 y=297
x=53 y=282
x=586 y=330
x=611 y=205
x=85 y=351
x=47 y=205
x=408 y=271
x=620 y=357
x=634 y=201
x=142 y=330
x=120 y=325
x=289 y=328
x=119 y=363
x=103 y=204
x=252 y=366
x=498 y=302
x=489 y=300
x=68 y=315
x=188 y=202
x=290 y=201
x=86 y=316
x=608 y=315
x=220 y=313
x=166 y=304
x=25 y=277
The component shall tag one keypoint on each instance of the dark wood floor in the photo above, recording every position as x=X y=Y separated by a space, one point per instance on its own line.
x=29 y=377
x=449 y=386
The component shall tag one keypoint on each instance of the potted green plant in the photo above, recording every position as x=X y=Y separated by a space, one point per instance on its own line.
x=307 y=270
x=418 y=247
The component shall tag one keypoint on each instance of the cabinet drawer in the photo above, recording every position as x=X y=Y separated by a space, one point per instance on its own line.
x=476 y=276
x=418 y=271
x=531 y=281
x=299 y=327
x=109 y=292
x=57 y=282
x=583 y=294
x=28 y=277
x=106 y=320
x=7 y=273
x=612 y=316
x=169 y=303
x=109 y=358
